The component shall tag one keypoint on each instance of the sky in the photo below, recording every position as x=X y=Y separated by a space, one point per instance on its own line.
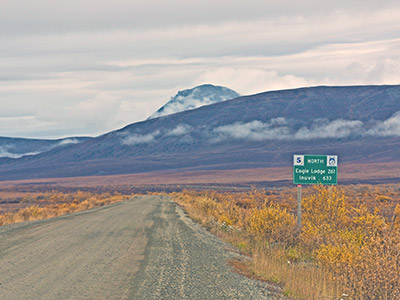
x=83 y=68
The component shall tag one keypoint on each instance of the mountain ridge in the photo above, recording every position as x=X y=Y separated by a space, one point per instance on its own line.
x=15 y=147
x=359 y=123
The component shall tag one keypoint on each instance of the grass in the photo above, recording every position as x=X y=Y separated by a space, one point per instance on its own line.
x=299 y=280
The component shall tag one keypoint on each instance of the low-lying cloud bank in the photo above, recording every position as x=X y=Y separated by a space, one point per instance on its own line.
x=5 y=152
x=275 y=129
x=390 y=127
x=136 y=139
x=324 y=129
x=182 y=104
x=279 y=129
x=67 y=142
x=180 y=130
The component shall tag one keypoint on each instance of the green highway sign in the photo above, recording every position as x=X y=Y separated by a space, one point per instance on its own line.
x=315 y=169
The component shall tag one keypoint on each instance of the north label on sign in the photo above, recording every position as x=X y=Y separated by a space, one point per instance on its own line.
x=315 y=169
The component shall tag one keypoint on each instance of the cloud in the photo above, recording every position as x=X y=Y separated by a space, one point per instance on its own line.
x=181 y=129
x=182 y=104
x=46 y=16
x=252 y=80
x=97 y=114
x=25 y=124
x=68 y=142
x=5 y=152
x=389 y=127
x=279 y=129
x=276 y=129
x=323 y=129
x=136 y=139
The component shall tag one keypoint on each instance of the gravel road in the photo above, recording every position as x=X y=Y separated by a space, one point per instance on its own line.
x=144 y=248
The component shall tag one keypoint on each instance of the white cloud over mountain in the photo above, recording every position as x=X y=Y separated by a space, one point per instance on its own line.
x=136 y=139
x=180 y=130
x=329 y=129
x=389 y=127
x=280 y=130
x=275 y=129
x=7 y=152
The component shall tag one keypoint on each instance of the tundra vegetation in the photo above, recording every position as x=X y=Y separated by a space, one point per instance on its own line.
x=22 y=207
x=347 y=248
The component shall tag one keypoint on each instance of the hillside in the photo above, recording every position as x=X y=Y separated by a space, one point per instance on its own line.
x=361 y=124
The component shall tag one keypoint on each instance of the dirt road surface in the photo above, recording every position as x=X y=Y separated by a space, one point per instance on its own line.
x=144 y=248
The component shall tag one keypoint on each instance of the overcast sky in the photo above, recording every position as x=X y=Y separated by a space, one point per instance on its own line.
x=85 y=67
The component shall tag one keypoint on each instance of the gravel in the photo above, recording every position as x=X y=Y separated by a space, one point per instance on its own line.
x=143 y=248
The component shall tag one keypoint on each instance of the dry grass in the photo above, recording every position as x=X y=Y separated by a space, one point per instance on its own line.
x=57 y=204
x=300 y=280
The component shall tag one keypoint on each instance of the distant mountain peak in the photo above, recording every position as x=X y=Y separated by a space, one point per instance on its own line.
x=196 y=97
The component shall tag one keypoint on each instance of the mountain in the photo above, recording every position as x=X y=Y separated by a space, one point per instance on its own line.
x=361 y=124
x=18 y=147
x=193 y=98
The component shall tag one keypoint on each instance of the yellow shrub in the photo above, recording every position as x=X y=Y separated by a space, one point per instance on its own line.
x=341 y=252
x=31 y=213
x=369 y=269
x=271 y=223
x=358 y=246
x=325 y=213
x=367 y=223
x=353 y=243
x=396 y=217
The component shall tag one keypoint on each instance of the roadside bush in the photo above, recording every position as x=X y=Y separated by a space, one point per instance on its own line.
x=358 y=247
x=326 y=213
x=271 y=223
x=344 y=246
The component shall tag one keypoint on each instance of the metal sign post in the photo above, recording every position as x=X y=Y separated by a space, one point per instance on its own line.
x=313 y=169
x=299 y=206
